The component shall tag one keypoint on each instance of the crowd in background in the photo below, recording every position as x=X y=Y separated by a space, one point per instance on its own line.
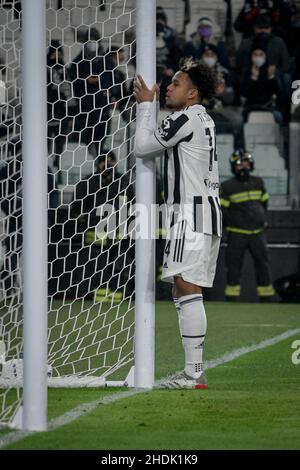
x=83 y=95
x=258 y=76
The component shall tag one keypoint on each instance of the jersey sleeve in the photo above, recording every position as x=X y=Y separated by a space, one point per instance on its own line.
x=149 y=140
x=145 y=144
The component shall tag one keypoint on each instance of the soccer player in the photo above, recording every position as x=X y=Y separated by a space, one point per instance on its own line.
x=191 y=189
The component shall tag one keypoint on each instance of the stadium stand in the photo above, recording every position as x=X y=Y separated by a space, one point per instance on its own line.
x=225 y=148
x=262 y=135
x=256 y=133
x=264 y=140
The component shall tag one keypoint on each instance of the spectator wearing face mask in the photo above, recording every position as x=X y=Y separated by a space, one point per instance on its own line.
x=260 y=84
x=275 y=47
x=226 y=120
x=277 y=54
x=210 y=58
x=204 y=35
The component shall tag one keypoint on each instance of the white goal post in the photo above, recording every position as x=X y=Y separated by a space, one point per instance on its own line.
x=34 y=215
x=80 y=317
x=145 y=189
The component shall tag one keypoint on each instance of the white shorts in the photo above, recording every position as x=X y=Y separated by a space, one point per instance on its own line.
x=190 y=255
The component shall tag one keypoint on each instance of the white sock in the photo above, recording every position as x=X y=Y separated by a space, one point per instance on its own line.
x=178 y=309
x=193 y=330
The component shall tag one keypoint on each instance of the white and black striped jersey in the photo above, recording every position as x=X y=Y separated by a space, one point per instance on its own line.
x=191 y=177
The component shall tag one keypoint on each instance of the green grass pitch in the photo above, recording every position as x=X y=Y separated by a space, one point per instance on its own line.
x=252 y=402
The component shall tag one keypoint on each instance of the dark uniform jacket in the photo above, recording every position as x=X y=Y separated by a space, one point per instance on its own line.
x=244 y=205
x=100 y=189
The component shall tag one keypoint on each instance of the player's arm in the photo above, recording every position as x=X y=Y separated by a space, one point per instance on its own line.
x=149 y=140
x=146 y=145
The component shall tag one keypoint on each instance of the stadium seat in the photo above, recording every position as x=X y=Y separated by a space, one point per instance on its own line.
x=261 y=117
x=275 y=184
x=256 y=133
x=266 y=157
x=225 y=147
x=270 y=166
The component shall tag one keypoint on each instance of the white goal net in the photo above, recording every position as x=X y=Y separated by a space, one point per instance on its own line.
x=91 y=190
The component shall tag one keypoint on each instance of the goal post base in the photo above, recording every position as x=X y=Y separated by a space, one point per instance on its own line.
x=13 y=378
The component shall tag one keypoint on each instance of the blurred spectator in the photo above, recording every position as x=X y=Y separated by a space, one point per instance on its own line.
x=260 y=84
x=293 y=32
x=279 y=12
x=3 y=97
x=206 y=34
x=244 y=202
x=96 y=189
x=11 y=206
x=121 y=89
x=130 y=47
x=15 y=5
x=90 y=86
x=225 y=92
x=166 y=41
x=105 y=249
x=58 y=92
x=277 y=56
x=277 y=52
x=2 y=83
x=11 y=184
x=10 y=124
x=168 y=52
x=296 y=75
x=227 y=121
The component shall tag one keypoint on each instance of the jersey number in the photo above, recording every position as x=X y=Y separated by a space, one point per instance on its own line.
x=212 y=143
x=167 y=248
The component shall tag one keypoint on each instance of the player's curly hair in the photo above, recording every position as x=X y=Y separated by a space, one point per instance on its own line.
x=202 y=76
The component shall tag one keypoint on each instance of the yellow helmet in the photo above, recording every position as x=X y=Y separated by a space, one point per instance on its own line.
x=238 y=156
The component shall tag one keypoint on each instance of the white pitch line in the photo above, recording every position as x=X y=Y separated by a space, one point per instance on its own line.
x=70 y=416
x=228 y=357
x=84 y=408
x=262 y=325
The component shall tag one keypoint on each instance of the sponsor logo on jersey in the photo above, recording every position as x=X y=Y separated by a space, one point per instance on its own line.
x=211 y=184
x=169 y=127
x=164 y=128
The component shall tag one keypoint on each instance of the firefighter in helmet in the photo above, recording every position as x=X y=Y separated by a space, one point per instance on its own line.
x=244 y=202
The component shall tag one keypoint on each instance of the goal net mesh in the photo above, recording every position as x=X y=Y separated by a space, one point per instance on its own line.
x=91 y=192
